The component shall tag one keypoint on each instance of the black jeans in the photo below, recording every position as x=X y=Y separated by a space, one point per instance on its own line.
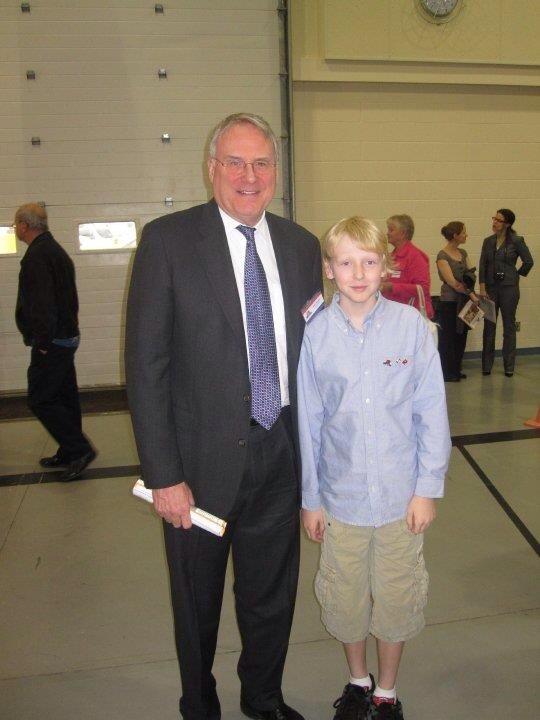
x=53 y=397
x=451 y=342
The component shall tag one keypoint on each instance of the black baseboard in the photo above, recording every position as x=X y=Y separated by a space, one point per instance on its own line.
x=498 y=353
x=93 y=400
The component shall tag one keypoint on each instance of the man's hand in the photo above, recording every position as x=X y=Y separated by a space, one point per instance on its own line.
x=313 y=522
x=420 y=514
x=173 y=504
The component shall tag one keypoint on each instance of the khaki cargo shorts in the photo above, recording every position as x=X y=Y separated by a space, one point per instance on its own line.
x=371 y=580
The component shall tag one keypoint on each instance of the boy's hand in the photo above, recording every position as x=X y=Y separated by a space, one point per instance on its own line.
x=313 y=522
x=420 y=514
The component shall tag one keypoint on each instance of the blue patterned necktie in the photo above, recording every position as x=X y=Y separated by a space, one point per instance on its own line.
x=263 y=364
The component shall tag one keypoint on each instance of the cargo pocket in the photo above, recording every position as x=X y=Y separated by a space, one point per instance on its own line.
x=325 y=581
x=421 y=582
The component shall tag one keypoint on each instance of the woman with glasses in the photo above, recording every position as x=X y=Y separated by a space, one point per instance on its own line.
x=499 y=280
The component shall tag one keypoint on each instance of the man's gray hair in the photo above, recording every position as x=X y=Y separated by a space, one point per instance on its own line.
x=34 y=215
x=239 y=119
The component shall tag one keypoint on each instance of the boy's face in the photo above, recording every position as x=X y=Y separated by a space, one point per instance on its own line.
x=357 y=274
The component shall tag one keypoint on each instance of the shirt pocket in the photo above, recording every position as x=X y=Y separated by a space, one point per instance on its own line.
x=396 y=378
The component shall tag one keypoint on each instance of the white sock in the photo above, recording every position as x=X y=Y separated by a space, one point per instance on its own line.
x=363 y=682
x=389 y=694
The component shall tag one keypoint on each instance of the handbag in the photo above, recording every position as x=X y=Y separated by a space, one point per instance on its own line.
x=432 y=327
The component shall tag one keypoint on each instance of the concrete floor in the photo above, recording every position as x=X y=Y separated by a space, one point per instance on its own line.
x=85 y=621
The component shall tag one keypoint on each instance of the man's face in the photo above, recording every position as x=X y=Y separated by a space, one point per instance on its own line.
x=18 y=228
x=245 y=194
x=395 y=234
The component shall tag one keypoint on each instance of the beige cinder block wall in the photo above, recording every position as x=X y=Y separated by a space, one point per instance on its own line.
x=440 y=141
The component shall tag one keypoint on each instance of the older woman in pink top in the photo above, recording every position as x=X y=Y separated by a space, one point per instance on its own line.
x=411 y=265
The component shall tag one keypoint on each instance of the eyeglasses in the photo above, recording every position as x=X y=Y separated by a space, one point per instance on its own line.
x=237 y=166
x=496 y=219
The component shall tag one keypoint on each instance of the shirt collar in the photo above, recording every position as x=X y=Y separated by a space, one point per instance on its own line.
x=232 y=224
x=375 y=314
x=402 y=251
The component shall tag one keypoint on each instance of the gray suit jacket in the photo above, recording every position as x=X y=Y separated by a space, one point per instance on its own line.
x=186 y=360
x=515 y=248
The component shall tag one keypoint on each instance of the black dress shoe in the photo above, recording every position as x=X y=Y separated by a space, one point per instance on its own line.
x=486 y=372
x=462 y=376
x=75 y=467
x=509 y=374
x=451 y=379
x=282 y=712
x=52 y=462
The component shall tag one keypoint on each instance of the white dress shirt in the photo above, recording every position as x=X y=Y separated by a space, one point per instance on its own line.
x=237 y=248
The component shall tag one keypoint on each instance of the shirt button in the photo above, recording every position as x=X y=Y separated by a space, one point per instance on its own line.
x=368 y=401
x=366 y=372
x=246 y=397
x=241 y=443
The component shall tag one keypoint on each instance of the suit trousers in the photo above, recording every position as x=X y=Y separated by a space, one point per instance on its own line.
x=506 y=299
x=451 y=343
x=53 y=397
x=263 y=534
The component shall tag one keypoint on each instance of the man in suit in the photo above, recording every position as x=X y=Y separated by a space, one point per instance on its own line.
x=47 y=318
x=214 y=328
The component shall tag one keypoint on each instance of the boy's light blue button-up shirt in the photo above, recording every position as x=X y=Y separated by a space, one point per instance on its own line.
x=372 y=414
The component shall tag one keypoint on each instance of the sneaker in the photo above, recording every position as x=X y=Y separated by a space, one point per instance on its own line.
x=386 y=711
x=354 y=703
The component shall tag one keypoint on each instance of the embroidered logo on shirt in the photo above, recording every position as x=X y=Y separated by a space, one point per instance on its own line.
x=395 y=361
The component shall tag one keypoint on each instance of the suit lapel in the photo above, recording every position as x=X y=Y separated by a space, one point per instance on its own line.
x=214 y=252
x=287 y=263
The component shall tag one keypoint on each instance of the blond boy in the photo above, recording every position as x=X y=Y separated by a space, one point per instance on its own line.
x=375 y=446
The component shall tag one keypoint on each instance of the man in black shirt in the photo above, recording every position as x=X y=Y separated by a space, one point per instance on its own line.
x=47 y=317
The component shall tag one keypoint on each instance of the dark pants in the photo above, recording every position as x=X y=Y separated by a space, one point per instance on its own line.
x=263 y=532
x=53 y=397
x=506 y=298
x=451 y=342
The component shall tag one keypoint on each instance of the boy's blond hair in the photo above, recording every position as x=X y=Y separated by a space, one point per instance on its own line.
x=363 y=233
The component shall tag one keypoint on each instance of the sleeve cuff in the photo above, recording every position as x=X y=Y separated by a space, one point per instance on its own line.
x=430 y=487
x=311 y=501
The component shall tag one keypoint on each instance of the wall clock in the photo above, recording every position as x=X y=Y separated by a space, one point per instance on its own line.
x=438 y=10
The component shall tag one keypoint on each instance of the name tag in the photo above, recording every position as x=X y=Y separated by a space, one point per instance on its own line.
x=311 y=307
x=395 y=273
